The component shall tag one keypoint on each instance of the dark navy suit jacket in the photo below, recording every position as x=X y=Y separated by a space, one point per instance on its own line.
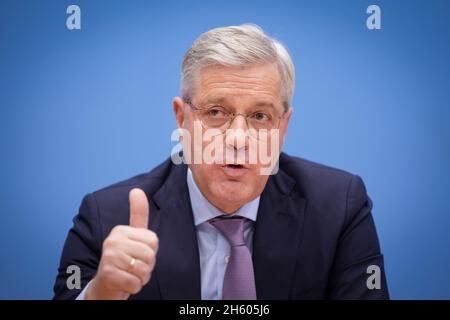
x=314 y=236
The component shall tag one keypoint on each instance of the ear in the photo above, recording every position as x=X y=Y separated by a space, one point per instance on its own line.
x=178 y=109
x=288 y=115
x=287 y=118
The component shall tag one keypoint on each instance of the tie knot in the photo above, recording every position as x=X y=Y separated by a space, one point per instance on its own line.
x=231 y=228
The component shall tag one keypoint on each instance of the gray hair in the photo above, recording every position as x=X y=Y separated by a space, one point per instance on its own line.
x=237 y=46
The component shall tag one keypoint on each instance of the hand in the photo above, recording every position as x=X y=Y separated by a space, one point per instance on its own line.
x=128 y=255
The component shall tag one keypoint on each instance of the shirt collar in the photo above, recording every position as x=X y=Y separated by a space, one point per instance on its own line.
x=203 y=210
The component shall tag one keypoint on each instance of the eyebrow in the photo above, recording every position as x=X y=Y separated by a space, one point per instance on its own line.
x=265 y=105
x=218 y=100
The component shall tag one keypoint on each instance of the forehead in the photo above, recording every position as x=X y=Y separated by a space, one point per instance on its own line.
x=255 y=84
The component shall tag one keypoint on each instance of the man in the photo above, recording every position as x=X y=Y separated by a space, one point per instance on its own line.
x=218 y=225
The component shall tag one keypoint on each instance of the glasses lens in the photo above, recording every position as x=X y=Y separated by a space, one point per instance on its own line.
x=219 y=118
x=215 y=117
x=263 y=120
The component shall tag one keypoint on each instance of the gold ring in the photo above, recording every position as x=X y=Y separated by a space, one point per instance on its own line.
x=132 y=263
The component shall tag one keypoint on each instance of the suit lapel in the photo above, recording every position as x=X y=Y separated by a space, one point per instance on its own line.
x=277 y=235
x=177 y=267
x=276 y=241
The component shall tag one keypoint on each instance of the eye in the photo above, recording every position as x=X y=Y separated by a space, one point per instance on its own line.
x=216 y=112
x=261 y=116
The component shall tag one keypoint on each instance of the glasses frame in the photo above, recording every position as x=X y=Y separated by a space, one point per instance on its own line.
x=231 y=117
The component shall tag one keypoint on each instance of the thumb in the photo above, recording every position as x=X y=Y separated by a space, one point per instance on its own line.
x=138 y=209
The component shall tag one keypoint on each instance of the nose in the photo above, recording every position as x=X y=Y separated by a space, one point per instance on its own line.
x=237 y=133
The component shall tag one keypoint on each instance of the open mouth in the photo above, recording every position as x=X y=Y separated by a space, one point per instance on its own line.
x=235 y=166
x=234 y=170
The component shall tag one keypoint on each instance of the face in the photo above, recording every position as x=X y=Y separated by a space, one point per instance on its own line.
x=254 y=91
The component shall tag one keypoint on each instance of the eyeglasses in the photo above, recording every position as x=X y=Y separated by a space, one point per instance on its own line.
x=218 y=117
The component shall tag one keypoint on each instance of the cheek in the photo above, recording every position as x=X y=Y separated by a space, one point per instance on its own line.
x=283 y=131
x=210 y=174
x=267 y=151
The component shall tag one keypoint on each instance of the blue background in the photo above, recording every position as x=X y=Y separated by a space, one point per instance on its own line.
x=82 y=109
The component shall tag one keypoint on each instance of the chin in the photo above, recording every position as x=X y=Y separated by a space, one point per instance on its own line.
x=232 y=192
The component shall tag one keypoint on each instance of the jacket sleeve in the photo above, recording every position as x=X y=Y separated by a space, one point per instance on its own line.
x=82 y=249
x=358 y=268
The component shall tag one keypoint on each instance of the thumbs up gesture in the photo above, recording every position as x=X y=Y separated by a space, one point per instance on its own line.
x=128 y=255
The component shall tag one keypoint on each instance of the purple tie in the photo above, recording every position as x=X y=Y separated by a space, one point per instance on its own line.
x=239 y=280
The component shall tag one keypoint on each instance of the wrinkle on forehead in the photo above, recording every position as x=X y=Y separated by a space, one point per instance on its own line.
x=260 y=84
